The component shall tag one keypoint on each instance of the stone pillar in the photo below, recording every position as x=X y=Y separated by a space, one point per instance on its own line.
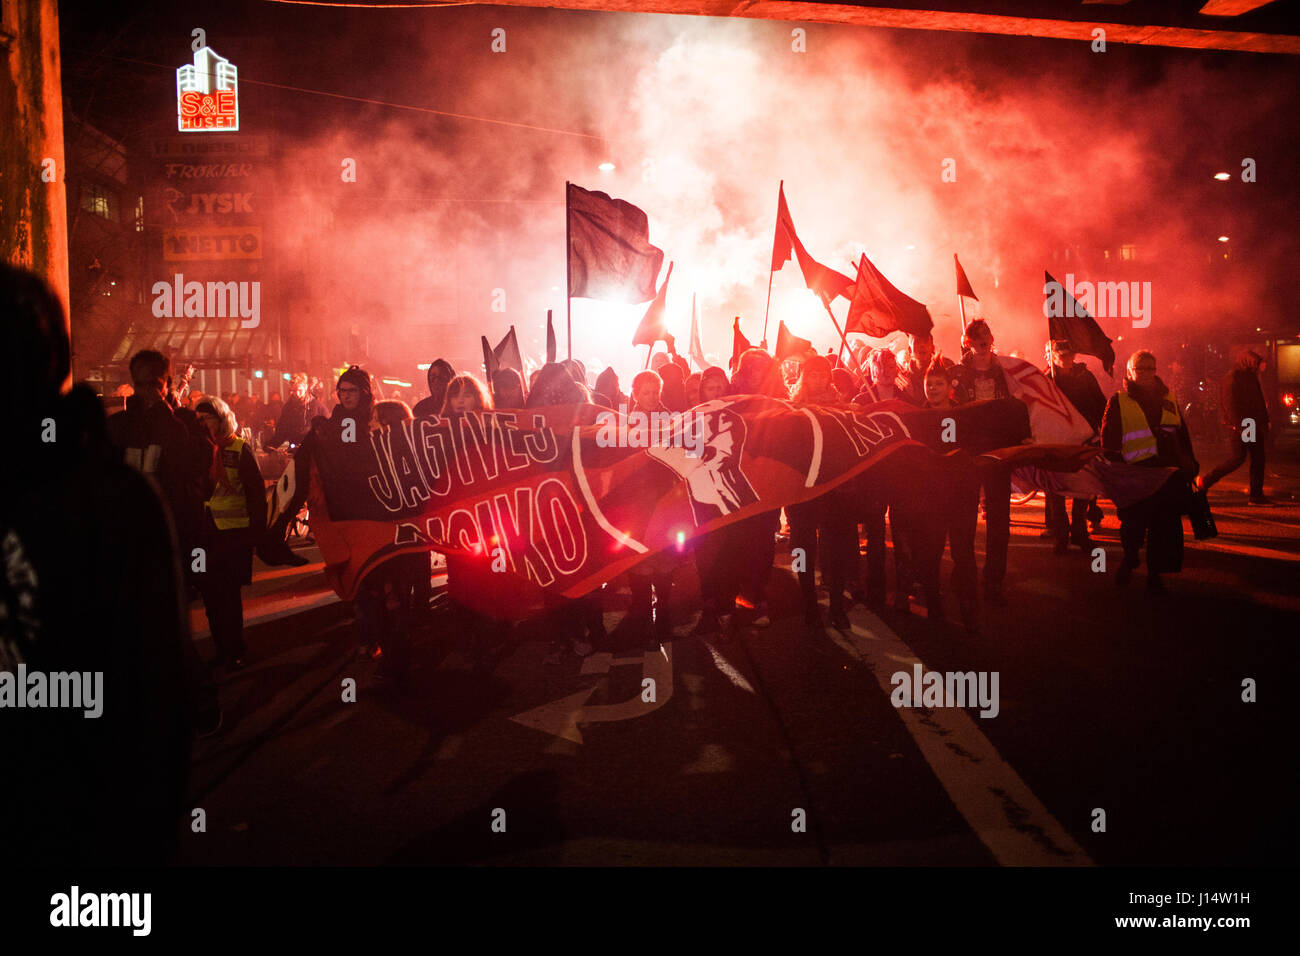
x=33 y=197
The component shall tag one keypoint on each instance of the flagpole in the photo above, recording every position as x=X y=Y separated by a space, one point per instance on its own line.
x=844 y=339
x=961 y=309
x=767 y=308
x=648 y=349
x=568 y=299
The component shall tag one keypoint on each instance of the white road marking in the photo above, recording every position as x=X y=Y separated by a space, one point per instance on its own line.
x=989 y=794
x=722 y=664
x=561 y=718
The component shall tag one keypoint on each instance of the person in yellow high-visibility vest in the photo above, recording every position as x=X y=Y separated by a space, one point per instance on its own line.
x=1143 y=426
x=234 y=520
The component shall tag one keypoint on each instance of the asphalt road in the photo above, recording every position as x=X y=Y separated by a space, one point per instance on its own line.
x=782 y=746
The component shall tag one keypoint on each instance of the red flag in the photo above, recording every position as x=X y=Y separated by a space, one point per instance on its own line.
x=826 y=282
x=610 y=256
x=789 y=345
x=652 y=327
x=963 y=284
x=739 y=344
x=878 y=308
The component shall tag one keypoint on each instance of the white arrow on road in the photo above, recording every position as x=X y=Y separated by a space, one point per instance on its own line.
x=561 y=718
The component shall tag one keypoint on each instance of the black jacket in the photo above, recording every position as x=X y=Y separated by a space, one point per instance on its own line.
x=1081 y=388
x=157 y=442
x=92 y=565
x=1243 y=397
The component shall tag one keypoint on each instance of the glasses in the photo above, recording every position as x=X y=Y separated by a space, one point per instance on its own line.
x=348 y=390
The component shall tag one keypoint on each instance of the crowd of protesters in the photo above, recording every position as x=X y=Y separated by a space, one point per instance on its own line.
x=171 y=502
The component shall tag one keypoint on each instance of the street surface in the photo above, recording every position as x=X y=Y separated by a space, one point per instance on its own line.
x=1108 y=699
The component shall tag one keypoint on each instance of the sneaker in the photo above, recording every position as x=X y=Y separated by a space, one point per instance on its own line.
x=1046 y=533
x=839 y=620
x=582 y=648
x=1260 y=500
x=763 y=618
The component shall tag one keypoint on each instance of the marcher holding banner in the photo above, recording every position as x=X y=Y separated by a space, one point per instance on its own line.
x=979 y=377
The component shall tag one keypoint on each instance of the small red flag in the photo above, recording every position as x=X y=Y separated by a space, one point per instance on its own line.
x=653 y=327
x=963 y=284
x=826 y=282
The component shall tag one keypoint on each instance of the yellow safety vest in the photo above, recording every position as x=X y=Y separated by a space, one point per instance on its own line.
x=1139 y=443
x=228 y=506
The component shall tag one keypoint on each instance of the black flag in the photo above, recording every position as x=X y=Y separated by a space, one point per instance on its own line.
x=610 y=256
x=507 y=353
x=1066 y=319
x=788 y=344
x=739 y=344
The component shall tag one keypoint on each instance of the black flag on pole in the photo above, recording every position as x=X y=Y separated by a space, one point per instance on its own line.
x=789 y=345
x=507 y=352
x=610 y=256
x=1067 y=319
x=739 y=344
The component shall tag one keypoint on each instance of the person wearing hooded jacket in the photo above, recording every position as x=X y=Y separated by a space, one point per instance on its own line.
x=439 y=375
x=828 y=516
x=92 y=586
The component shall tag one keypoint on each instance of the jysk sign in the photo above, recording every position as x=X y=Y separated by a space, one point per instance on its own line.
x=207 y=94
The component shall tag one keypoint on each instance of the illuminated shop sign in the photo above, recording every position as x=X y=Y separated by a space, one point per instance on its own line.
x=207 y=94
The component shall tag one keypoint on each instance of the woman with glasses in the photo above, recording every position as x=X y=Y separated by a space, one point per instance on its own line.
x=1142 y=426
